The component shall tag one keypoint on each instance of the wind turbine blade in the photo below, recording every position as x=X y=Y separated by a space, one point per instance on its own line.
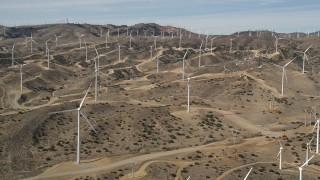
x=289 y=62
x=194 y=77
x=185 y=54
x=85 y=118
x=315 y=125
x=70 y=110
x=310 y=141
x=96 y=50
x=84 y=97
x=188 y=65
x=280 y=144
x=278 y=154
x=308 y=48
x=248 y=173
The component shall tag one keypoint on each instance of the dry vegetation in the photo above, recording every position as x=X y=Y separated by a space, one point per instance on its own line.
x=141 y=116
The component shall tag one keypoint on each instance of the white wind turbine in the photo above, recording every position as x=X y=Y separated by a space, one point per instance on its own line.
x=276 y=42
x=47 y=46
x=157 y=58
x=305 y=57
x=151 y=52
x=234 y=133
x=189 y=79
x=308 y=149
x=284 y=75
x=212 y=42
x=48 y=55
x=183 y=59
x=180 y=41
x=86 y=50
x=79 y=112
x=12 y=57
x=200 y=54
x=130 y=38
x=57 y=37
x=225 y=71
x=119 y=52
x=107 y=36
x=248 y=174
x=317 y=125
x=26 y=40
x=231 y=40
x=80 y=37
x=302 y=166
x=155 y=42
x=31 y=42
x=4 y=31
x=205 y=47
x=97 y=73
x=280 y=156
x=20 y=66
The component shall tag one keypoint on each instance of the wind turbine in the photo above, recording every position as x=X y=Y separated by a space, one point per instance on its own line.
x=183 y=59
x=107 y=36
x=130 y=38
x=225 y=71
x=26 y=40
x=79 y=36
x=231 y=40
x=308 y=149
x=48 y=53
x=12 y=57
x=47 y=46
x=151 y=52
x=284 y=75
x=317 y=125
x=276 y=42
x=56 y=38
x=119 y=53
x=205 y=47
x=157 y=58
x=212 y=42
x=31 y=42
x=97 y=72
x=155 y=42
x=302 y=166
x=4 y=31
x=86 y=50
x=305 y=57
x=248 y=174
x=21 y=65
x=280 y=156
x=180 y=41
x=200 y=53
x=189 y=79
x=79 y=112
x=234 y=133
